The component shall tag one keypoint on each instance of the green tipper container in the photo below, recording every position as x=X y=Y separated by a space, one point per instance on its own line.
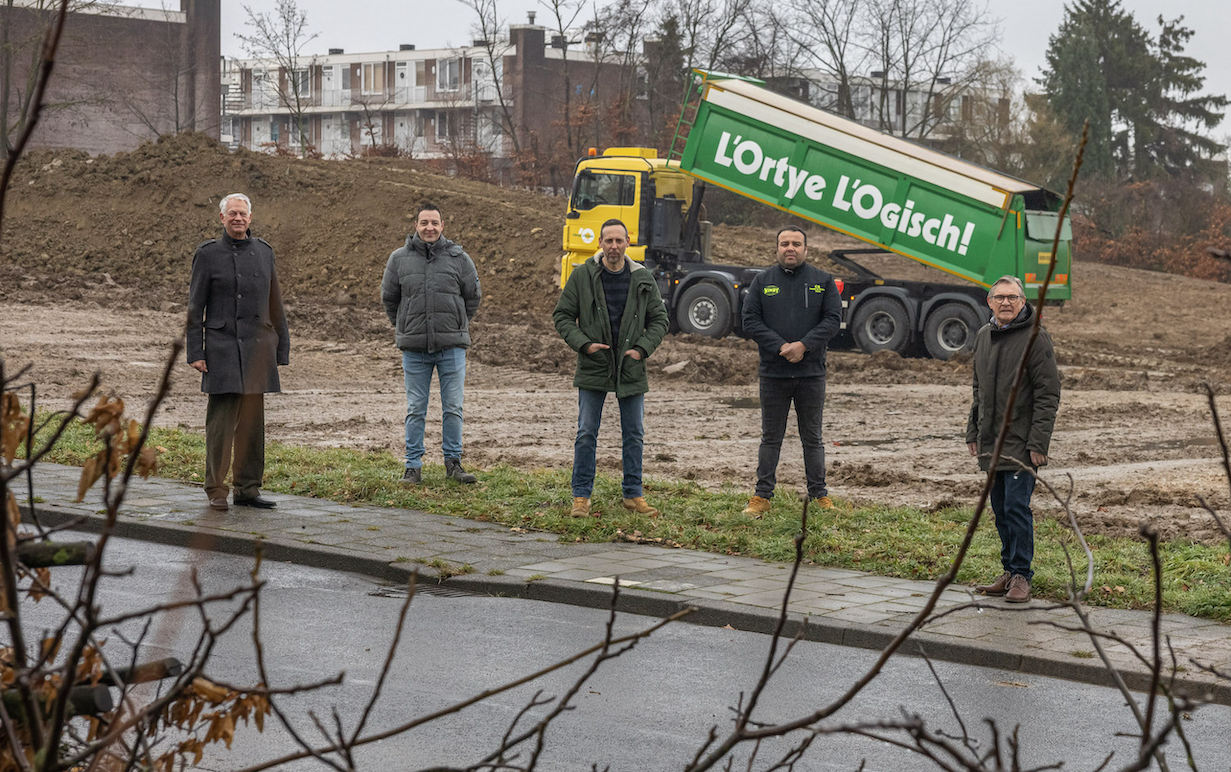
x=931 y=207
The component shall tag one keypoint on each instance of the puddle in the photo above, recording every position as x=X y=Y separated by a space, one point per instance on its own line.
x=742 y=402
x=1178 y=444
x=892 y=440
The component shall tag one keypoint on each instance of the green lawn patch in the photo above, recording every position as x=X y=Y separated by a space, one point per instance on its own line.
x=888 y=541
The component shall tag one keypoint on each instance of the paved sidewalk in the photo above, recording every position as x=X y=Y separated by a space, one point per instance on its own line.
x=840 y=606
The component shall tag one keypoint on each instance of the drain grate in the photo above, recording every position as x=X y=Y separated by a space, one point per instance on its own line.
x=426 y=588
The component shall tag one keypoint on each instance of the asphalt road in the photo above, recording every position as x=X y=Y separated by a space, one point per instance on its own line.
x=648 y=710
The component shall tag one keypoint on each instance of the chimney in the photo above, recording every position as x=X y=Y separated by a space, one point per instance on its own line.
x=335 y=51
x=406 y=47
x=530 y=16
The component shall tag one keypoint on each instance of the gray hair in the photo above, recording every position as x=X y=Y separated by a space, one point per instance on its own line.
x=222 y=205
x=1008 y=280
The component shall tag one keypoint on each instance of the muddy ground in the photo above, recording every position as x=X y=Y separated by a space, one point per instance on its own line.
x=93 y=270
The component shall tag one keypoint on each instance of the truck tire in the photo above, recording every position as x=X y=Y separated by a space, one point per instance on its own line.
x=704 y=309
x=950 y=328
x=881 y=323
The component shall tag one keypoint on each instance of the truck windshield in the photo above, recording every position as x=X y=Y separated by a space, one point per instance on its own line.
x=601 y=189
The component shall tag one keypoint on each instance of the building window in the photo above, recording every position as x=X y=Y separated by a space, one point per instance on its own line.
x=374 y=78
x=445 y=127
x=300 y=83
x=448 y=74
x=274 y=131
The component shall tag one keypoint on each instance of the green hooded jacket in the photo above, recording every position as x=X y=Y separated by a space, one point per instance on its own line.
x=581 y=319
x=997 y=354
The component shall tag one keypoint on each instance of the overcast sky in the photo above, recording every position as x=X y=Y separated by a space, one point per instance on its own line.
x=376 y=25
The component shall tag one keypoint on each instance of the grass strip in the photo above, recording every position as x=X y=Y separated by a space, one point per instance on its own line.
x=887 y=541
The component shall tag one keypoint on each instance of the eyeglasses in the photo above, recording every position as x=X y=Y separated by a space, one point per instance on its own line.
x=1006 y=298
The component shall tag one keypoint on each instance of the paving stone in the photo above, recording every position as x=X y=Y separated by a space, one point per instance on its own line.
x=611 y=580
x=730 y=590
x=861 y=615
x=707 y=593
x=666 y=585
x=763 y=584
x=548 y=567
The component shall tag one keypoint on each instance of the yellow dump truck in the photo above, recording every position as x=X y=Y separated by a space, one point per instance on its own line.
x=968 y=221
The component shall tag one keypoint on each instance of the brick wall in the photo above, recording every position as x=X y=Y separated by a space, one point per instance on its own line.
x=125 y=77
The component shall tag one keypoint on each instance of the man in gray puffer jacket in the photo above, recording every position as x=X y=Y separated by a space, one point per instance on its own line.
x=431 y=292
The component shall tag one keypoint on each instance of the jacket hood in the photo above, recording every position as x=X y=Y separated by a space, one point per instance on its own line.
x=442 y=245
x=1024 y=318
x=598 y=261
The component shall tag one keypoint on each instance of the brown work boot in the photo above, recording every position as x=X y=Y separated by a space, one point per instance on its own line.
x=757 y=506
x=581 y=507
x=824 y=502
x=640 y=506
x=1019 y=589
x=998 y=587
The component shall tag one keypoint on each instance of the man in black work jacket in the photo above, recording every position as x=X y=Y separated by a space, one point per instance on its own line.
x=237 y=337
x=791 y=310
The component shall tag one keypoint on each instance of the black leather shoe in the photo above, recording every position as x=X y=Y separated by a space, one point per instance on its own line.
x=256 y=501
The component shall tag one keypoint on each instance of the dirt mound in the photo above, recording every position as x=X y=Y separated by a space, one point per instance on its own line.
x=138 y=216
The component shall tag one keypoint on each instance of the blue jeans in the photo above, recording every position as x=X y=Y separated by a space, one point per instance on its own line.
x=1014 y=521
x=450 y=364
x=632 y=428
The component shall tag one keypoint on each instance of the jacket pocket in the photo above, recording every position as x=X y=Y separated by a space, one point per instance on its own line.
x=215 y=324
x=632 y=370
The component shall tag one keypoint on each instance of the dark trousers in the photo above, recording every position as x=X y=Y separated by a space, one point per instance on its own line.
x=1014 y=521
x=234 y=420
x=808 y=395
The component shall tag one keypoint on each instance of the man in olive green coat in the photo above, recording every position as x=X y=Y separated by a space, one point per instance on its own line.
x=612 y=315
x=998 y=351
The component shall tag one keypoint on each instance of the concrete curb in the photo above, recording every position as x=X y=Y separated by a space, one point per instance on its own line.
x=708 y=613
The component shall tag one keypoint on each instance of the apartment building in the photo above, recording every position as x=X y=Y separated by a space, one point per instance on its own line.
x=428 y=103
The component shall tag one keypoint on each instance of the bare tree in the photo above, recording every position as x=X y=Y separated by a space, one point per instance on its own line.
x=486 y=28
x=564 y=14
x=920 y=46
x=279 y=38
x=828 y=28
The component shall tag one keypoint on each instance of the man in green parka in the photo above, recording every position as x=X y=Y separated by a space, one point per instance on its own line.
x=998 y=351
x=612 y=315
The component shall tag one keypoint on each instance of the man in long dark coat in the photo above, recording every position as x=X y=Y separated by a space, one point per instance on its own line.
x=237 y=337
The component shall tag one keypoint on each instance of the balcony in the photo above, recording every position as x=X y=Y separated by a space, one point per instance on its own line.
x=267 y=100
x=335 y=98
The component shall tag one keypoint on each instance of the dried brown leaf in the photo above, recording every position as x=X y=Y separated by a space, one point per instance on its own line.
x=91 y=470
x=147 y=462
x=134 y=435
x=13 y=427
x=209 y=690
x=39 y=588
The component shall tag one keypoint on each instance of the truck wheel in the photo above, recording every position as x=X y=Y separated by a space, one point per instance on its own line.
x=880 y=324
x=950 y=328
x=705 y=310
